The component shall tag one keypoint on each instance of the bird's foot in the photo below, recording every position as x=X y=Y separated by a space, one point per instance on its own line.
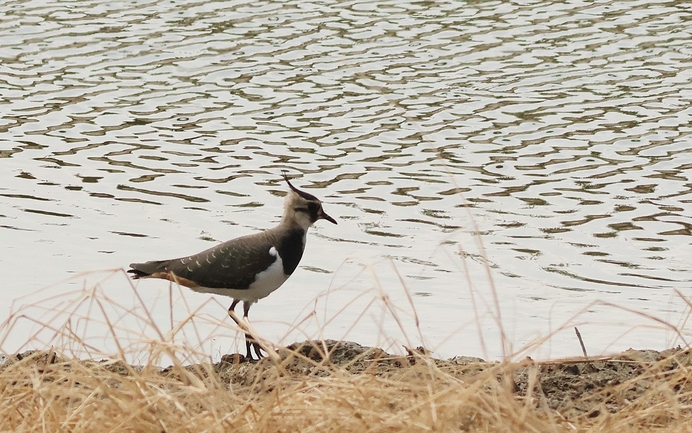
x=250 y=344
x=260 y=350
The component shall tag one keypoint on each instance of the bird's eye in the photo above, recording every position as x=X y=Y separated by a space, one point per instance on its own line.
x=313 y=207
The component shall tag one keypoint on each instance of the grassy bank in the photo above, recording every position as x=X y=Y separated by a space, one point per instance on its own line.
x=351 y=389
x=76 y=384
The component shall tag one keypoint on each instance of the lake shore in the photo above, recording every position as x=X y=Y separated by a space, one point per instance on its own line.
x=354 y=388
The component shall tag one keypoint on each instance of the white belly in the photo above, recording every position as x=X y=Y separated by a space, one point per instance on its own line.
x=266 y=282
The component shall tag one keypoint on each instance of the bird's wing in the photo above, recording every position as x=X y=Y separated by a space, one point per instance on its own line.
x=230 y=265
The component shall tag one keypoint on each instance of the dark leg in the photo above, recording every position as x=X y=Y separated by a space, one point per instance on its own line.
x=249 y=341
x=232 y=307
x=231 y=312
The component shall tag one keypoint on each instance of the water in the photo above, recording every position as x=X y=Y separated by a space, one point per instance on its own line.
x=527 y=158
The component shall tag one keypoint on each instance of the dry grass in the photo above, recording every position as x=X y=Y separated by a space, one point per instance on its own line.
x=43 y=392
x=72 y=385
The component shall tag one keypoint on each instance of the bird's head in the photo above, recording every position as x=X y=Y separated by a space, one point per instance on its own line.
x=303 y=208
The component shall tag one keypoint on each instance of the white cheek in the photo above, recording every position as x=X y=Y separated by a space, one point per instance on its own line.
x=303 y=220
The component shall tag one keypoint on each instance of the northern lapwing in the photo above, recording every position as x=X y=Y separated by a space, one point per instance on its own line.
x=247 y=268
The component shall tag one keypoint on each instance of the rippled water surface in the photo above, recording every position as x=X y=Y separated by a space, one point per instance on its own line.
x=553 y=139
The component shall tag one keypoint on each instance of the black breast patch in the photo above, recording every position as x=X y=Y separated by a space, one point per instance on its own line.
x=290 y=247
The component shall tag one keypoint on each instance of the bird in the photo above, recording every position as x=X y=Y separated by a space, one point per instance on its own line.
x=247 y=268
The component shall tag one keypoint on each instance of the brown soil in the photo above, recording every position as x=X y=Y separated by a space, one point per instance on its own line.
x=573 y=387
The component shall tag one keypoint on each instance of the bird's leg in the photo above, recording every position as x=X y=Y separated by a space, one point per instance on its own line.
x=249 y=339
x=231 y=313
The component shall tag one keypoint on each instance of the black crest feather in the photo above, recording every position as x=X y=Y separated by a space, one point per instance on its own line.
x=303 y=194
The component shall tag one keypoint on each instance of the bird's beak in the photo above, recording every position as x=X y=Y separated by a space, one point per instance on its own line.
x=324 y=216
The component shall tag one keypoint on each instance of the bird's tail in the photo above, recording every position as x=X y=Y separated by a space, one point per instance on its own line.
x=143 y=270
